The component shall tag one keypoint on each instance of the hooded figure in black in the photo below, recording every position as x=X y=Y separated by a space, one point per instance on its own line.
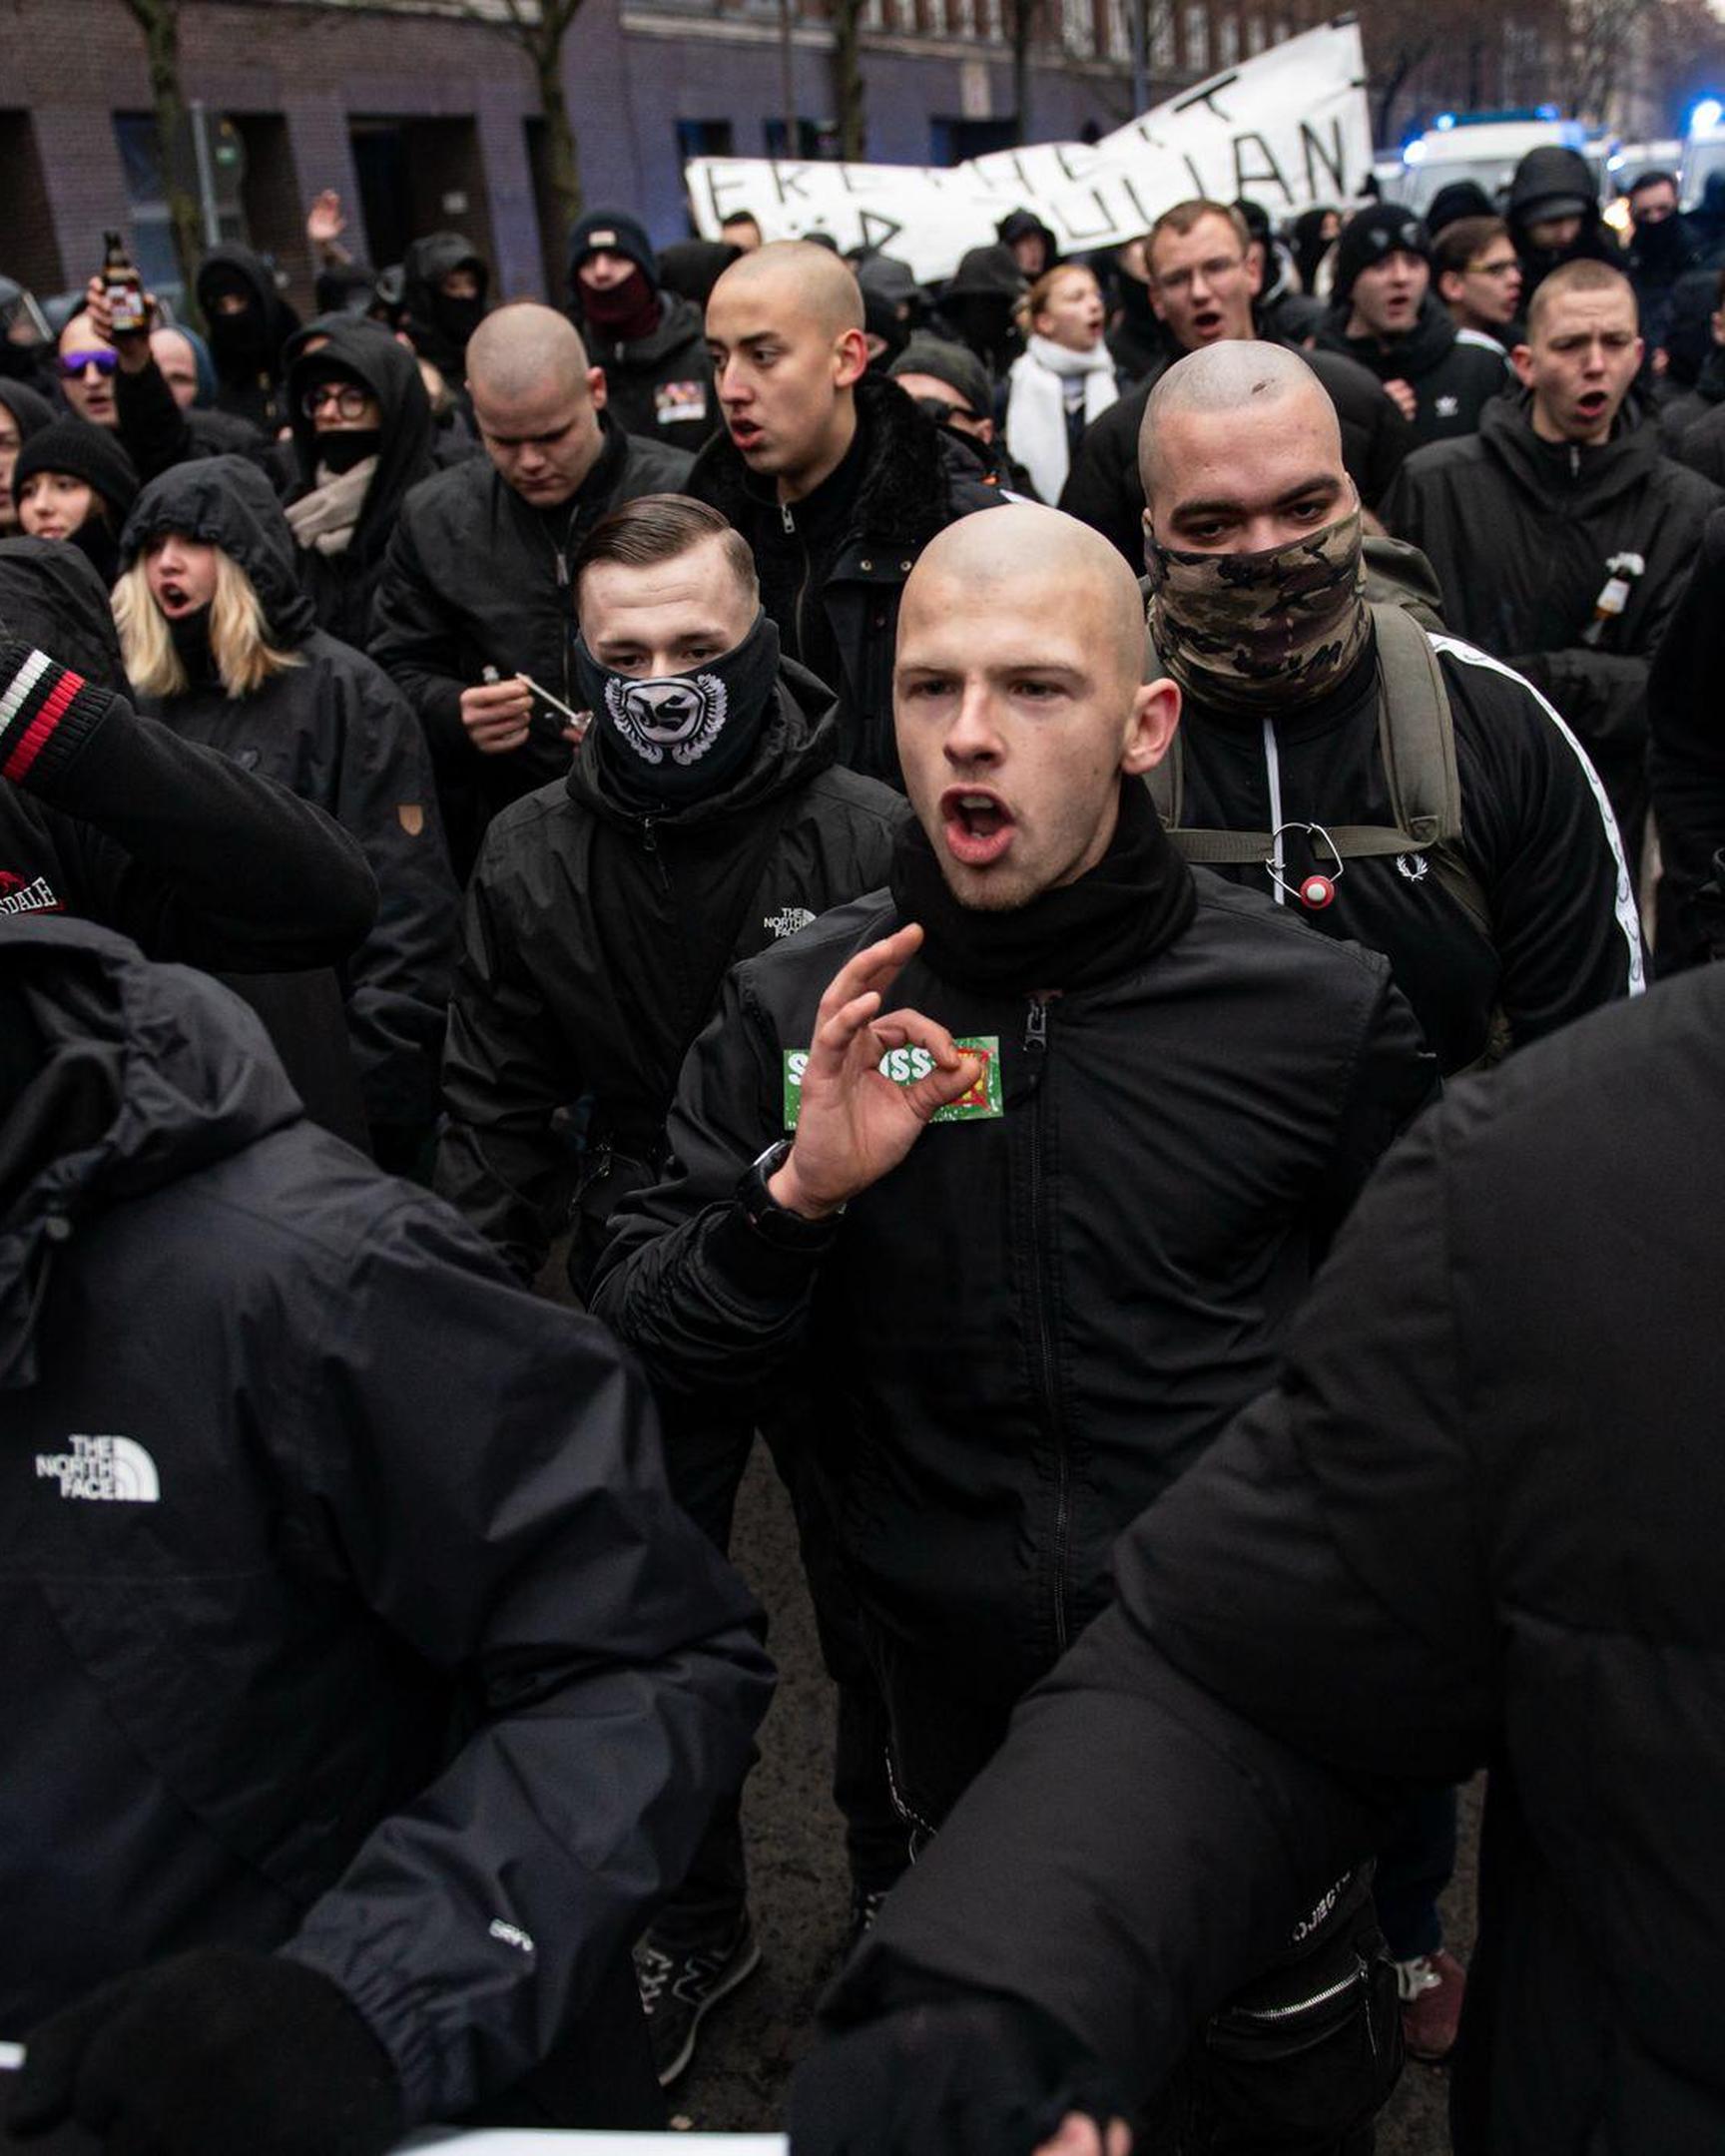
x=353 y=475
x=441 y=321
x=112 y=817
x=247 y=322
x=326 y=722
x=650 y=341
x=1553 y=184
x=979 y=307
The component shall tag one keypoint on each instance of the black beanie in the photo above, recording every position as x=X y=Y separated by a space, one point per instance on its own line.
x=1456 y=200
x=1385 y=229
x=954 y=365
x=82 y=451
x=617 y=234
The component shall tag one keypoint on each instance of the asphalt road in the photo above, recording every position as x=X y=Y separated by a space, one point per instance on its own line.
x=750 y=2043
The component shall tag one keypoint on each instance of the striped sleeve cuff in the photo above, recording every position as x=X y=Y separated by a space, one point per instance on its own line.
x=46 y=713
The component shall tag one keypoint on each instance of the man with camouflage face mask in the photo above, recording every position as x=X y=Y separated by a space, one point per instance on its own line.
x=1504 y=913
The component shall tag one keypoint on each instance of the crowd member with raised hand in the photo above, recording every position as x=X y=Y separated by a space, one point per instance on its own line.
x=84 y=366
x=1559 y=532
x=153 y=386
x=1385 y=315
x=1203 y=287
x=832 y=476
x=475 y=589
x=1063 y=380
x=1026 y=1160
x=364 y=1687
x=72 y=482
x=222 y=646
x=647 y=340
x=361 y=442
x=705 y=818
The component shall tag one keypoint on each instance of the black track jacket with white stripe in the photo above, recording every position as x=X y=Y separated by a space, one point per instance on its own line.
x=1535 y=829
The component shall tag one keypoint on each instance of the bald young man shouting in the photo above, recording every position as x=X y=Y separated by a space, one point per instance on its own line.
x=1028 y=1158
x=834 y=477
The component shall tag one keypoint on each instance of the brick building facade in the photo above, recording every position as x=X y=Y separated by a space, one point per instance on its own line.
x=423 y=114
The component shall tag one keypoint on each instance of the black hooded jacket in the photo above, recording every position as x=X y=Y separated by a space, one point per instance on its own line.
x=247 y=348
x=342 y=586
x=1686 y=767
x=333 y=729
x=594 y=943
x=1547 y=174
x=440 y=326
x=1103 y=488
x=158 y=433
x=475 y=577
x=1519 y=531
x=365 y=1631
x=833 y=567
x=1453 y=380
x=117 y=820
x=658 y=386
x=30 y=410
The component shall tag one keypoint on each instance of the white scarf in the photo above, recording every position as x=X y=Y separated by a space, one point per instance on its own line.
x=326 y=518
x=1036 y=406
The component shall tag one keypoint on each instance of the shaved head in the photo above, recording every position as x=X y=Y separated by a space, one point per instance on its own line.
x=796 y=278
x=525 y=350
x=1022 y=544
x=1019 y=700
x=1241 y=377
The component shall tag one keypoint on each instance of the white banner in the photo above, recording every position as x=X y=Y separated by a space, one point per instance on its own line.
x=1288 y=128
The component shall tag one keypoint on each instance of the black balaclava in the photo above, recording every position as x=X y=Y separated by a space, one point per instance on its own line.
x=680 y=738
x=457 y=319
x=239 y=343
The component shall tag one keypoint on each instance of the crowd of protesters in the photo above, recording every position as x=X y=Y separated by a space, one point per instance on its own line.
x=939 y=875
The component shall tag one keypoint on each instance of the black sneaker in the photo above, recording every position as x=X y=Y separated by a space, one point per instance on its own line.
x=678 y=1983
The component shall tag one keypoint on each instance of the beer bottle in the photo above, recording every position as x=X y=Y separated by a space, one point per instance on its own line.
x=124 y=288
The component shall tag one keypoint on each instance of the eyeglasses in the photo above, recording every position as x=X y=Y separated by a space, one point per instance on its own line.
x=1503 y=268
x=74 y=363
x=349 y=402
x=1214 y=272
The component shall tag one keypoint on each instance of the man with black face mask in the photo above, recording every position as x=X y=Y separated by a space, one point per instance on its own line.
x=705 y=817
x=247 y=322
x=1155 y=1097
x=446 y=283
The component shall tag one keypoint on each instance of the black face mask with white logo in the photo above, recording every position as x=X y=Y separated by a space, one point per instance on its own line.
x=680 y=738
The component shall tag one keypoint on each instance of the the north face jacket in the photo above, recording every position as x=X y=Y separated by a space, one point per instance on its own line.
x=594 y=943
x=1041 y=1318
x=660 y=386
x=834 y=566
x=475 y=578
x=1475 y=1525
x=1520 y=531
x=1452 y=378
x=1103 y=488
x=1563 y=934
x=336 y=731
x=346 y=1612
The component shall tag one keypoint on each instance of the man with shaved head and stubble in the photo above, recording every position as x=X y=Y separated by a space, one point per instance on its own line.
x=476 y=591
x=833 y=476
x=1030 y=1156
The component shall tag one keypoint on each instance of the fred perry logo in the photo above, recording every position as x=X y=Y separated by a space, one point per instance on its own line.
x=102 y=1470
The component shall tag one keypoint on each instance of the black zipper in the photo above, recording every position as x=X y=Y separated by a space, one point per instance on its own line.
x=1036 y=1047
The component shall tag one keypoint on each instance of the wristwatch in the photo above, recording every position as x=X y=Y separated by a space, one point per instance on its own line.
x=771 y=1221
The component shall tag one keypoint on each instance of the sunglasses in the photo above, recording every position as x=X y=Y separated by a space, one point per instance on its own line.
x=74 y=363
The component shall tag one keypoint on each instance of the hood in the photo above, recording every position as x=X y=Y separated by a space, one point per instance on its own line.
x=424 y=263
x=29 y=409
x=691 y=268
x=1559 y=477
x=227 y=502
x=798 y=740
x=279 y=319
x=142 y=1074
x=987 y=273
x=391 y=373
x=51 y=597
x=1550 y=174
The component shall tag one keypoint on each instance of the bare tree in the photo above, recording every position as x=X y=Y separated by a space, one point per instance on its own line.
x=1024 y=24
x=541 y=28
x=848 y=90
x=160 y=22
x=1601 y=33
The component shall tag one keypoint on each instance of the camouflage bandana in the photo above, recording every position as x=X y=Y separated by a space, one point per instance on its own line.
x=1251 y=632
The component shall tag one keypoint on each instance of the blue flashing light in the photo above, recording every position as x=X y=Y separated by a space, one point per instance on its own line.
x=1548 y=112
x=1413 y=152
x=1704 y=113
x=1445 y=120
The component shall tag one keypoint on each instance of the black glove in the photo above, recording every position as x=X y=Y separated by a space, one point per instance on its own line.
x=212 y=2052
x=973 y=2078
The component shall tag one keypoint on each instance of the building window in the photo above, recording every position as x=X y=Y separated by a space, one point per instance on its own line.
x=1162 y=54
x=1198 y=36
x=703 y=138
x=1228 y=41
x=147 y=194
x=815 y=139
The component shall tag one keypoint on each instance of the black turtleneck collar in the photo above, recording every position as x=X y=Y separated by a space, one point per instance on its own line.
x=1137 y=901
x=828 y=506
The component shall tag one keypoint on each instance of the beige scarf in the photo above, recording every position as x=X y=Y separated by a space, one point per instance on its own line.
x=326 y=517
